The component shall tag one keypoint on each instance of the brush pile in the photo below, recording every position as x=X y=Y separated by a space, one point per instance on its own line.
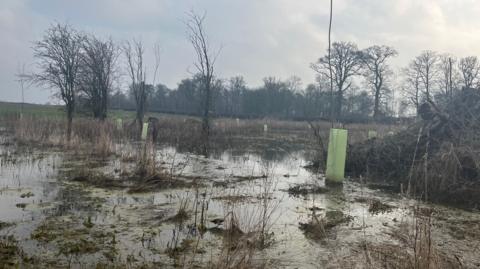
x=436 y=159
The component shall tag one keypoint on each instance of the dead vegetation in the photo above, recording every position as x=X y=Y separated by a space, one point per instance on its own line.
x=320 y=227
x=435 y=159
x=10 y=255
x=4 y=225
x=95 y=137
x=143 y=174
x=416 y=248
x=234 y=198
x=71 y=240
x=375 y=206
x=305 y=189
x=183 y=213
x=101 y=138
x=158 y=182
x=397 y=256
x=95 y=178
x=129 y=180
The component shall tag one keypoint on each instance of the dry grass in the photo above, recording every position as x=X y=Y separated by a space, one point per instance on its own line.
x=102 y=138
x=416 y=248
x=95 y=137
x=320 y=227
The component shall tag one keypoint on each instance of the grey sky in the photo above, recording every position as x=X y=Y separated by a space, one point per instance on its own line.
x=258 y=37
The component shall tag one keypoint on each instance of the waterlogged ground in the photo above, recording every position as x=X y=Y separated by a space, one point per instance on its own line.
x=53 y=221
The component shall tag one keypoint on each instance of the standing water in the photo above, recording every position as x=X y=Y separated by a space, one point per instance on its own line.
x=281 y=210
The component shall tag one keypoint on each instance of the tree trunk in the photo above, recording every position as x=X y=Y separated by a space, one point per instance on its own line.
x=69 y=122
x=140 y=125
x=339 y=104
x=206 y=120
x=450 y=93
x=103 y=105
x=376 y=107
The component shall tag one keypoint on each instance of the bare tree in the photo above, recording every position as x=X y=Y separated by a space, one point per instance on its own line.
x=377 y=71
x=205 y=63
x=448 y=74
x=58 y=61
x=469 y=69
x=97 y=73
x=22 y=77
x=340 y=66
x=137 y=70
x=236 y=87
x=411 y=87
x=425 y=65
x=294 y=84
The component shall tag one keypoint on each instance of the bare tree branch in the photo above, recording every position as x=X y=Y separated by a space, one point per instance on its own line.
x=376 y=71
x=469 y=69
x=205 y=64
x=58 y=60
x=344 y=62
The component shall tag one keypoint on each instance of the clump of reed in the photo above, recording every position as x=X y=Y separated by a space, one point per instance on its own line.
x=38 y=131
x=97 y=137
x=247 y=227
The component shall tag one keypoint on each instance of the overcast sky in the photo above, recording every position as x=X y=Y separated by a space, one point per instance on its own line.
x=259 y=38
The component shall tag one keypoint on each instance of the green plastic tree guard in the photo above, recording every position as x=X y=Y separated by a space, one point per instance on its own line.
x=337 y=151
x=144 y=130
x=119 y=124
x=372 y=134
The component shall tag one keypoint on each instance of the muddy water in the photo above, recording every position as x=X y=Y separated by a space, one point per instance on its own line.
x=69 y=224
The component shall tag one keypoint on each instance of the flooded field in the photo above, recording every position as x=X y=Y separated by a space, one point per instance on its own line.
x=240 y=208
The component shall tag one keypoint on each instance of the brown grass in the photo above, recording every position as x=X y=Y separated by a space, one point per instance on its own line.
x=416 y=248
x=95 y=137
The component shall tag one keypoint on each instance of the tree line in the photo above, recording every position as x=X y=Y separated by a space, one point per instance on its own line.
x=286 y=99
x=364 y=83
x=83 y=68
